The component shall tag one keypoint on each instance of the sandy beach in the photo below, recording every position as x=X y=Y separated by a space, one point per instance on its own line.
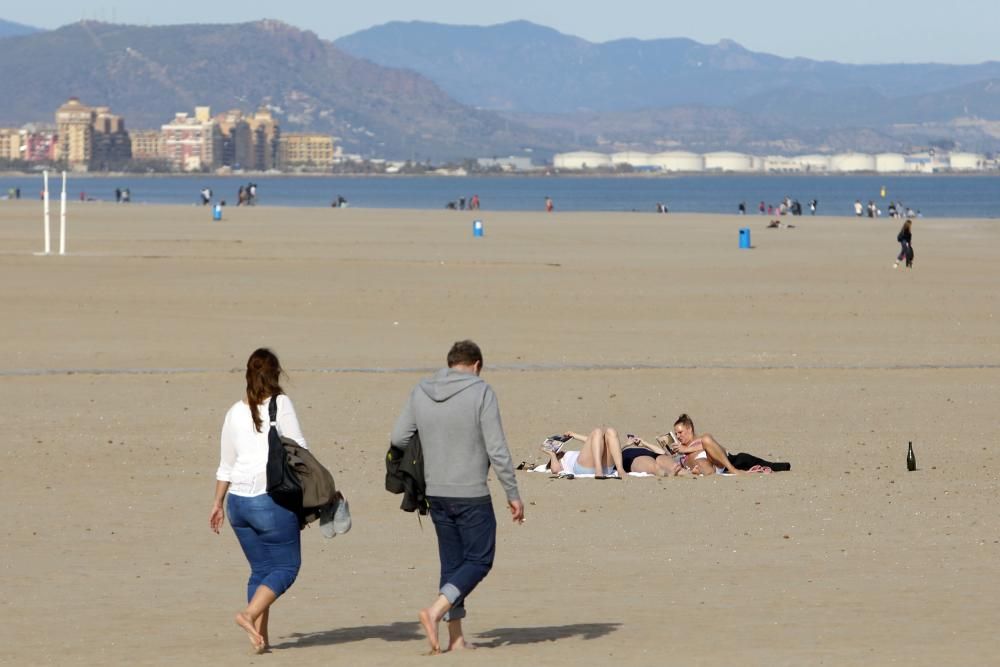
x=122 y=357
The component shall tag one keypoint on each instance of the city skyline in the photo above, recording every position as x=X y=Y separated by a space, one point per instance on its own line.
x=850 y=31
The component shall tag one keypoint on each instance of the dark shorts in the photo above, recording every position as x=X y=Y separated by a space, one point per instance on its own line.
x=630 y=454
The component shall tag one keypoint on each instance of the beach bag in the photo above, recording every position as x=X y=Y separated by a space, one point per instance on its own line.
x=296 y=480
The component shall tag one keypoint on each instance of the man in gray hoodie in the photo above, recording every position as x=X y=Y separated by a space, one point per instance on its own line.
x=456 y=416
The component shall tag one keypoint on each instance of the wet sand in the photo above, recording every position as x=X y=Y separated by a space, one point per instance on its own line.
x=122 y=358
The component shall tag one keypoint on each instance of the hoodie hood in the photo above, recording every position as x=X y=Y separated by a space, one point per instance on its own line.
x=446 y=383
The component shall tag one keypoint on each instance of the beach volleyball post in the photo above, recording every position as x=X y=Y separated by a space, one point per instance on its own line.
x=45 y=212
x=47 y=216
x=62 y=217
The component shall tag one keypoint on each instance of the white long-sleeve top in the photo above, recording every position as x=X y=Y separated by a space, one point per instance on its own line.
x=243 y=462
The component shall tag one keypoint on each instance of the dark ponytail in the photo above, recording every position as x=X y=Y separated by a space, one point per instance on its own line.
x=263 y=373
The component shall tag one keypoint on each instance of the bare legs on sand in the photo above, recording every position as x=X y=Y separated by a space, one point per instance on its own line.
x=601 y=450
x=253 y=619
x=431 y=617
x=717 y=458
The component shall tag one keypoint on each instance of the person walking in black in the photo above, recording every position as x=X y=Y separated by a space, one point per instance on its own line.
x=905 y=238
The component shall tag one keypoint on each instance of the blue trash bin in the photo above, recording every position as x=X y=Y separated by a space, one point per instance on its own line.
x=477 y=227
x=744 y=237
x=217 y=212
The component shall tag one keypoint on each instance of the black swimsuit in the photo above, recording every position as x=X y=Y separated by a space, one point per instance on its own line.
x=630 y=454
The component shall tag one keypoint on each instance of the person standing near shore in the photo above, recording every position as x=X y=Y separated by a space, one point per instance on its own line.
x=456 y=417
x=267 y=532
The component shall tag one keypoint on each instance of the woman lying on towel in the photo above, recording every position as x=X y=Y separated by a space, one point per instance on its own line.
x=604 y=446
x=703 y=455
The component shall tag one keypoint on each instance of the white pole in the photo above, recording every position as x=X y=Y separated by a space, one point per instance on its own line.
x=45 y=198
x=62 y=218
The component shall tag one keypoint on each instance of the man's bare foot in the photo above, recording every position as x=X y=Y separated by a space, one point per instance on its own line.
x=461 y=645
x=256 y=640
x=430 y=625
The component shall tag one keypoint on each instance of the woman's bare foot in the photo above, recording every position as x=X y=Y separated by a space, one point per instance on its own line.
x=256 y=640
x=430 y=625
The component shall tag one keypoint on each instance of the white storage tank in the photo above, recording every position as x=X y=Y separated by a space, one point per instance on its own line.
x=726 y=161
x=966 y=161
x=581 y=160
x=852 y=162
x=678 y=161
x=814 y=163
x=780 y=163
x=890 y=162
x=634 y=158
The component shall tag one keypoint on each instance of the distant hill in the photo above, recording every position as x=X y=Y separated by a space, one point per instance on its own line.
x=535 y=74
x=11 y=29
x=148 y=73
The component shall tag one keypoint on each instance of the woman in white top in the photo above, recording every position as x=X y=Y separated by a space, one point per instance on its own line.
x=267 y=532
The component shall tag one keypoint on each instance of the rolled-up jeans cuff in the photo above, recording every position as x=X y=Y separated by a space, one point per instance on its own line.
x=451 y=593
x=454 y=614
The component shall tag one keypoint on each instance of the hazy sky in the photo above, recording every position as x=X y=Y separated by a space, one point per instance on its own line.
x=860 y=31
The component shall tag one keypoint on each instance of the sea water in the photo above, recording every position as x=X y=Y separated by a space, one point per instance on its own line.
x=972 y=196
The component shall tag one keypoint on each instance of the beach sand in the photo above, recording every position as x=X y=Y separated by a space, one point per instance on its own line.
x=122 y=358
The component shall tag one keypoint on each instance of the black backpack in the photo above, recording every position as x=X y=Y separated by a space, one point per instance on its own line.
x=283 y=484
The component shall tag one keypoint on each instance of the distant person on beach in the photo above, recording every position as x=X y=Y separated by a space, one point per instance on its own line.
x=118 y=195
x=549 y=206
x=762 y=208
x=905 y=239
x=456 y=416
x=857 y=207
x=268 y=533
x=474 y=203
x=813 y=205
x=703 y=455
x=206 y=196
x=743 y=208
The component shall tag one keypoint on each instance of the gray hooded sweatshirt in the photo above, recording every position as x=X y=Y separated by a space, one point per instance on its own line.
x=458 y=419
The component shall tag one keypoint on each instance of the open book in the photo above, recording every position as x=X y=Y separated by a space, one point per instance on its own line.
x=668 y=441
x=554 y=443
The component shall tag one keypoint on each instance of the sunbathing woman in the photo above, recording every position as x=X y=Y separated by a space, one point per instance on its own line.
x=601 y=455
x=654 y=459
x=703 y=455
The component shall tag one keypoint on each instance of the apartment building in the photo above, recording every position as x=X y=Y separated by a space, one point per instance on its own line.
x=11 y=144
x=147 y=144
x=91 y=137
x=298 y=149
x=237 y=140
x=75 y=126
x=191 y=143
x=266 y=136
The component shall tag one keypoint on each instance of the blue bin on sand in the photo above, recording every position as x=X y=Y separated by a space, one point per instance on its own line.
x=477 y=227
x=217 y=212
x=744 y=237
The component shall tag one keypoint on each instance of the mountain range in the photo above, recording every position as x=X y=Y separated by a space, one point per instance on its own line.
x=429 y=91
x=147 y=74
x=11 y=29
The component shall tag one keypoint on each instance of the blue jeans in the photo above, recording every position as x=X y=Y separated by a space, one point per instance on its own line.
x=269 y=535
x=467 y=543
